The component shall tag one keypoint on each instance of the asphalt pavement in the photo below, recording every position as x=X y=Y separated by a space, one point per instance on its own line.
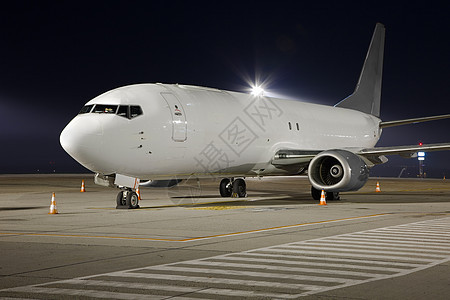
x=188 y=242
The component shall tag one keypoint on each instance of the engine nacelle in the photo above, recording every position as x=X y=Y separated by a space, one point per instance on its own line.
x=337 y=171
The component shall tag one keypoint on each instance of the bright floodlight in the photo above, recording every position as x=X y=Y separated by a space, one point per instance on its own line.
x=257 y=91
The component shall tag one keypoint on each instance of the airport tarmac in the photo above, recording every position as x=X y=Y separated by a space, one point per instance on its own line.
x=187 y=242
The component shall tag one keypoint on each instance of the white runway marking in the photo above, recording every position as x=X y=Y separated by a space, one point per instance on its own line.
x=283 y=271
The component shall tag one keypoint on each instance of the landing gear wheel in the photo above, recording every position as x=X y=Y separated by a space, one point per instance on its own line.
x=315 y=193
x=121 y=200
x=333 y=196
x=225 y=187
x=132 y=200
x=239 y=188
x=127 y=200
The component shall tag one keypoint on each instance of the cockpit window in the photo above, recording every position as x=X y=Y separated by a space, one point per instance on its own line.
x=105 y=109
x=123 y=111
x=86 y=109
x=129 y=112
x=135 y=111
x=126 y=111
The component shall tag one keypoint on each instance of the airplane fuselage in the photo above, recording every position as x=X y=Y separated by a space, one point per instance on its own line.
x=168 y=132
x=188 y=131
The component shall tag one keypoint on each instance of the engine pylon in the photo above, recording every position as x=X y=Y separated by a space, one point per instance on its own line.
x=53 y=210
x=322 y=198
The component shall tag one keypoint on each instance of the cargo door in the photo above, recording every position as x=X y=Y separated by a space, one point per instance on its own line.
x=179 y=123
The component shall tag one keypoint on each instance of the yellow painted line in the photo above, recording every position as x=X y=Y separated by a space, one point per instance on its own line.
x=191 y=239
x=180 y=205
x=217 y=207
x=388 y=191
x=283 y=227
x=85 y=236
x=422 y=190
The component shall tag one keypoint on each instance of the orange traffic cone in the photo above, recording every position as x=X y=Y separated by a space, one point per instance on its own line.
x=83 y=189
x=322 y=198
x=377 y=189
x=138 y=192
x=53 y=210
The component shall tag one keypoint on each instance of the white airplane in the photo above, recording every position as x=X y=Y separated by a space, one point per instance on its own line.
x=164 y=133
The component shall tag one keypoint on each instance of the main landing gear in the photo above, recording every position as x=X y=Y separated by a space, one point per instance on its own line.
x=235 y=188
x=329 y=195
x=127 y=199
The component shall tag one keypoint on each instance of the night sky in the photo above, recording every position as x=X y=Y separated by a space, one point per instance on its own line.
x=57 y=55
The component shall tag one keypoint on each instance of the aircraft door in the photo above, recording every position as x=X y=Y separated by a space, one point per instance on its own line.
x=179 y=123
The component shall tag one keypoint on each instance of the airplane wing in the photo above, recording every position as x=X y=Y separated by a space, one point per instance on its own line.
x=406 y=151
x=373 y=155
x=376 y=155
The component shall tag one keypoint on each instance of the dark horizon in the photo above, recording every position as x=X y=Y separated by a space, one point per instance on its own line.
x=57 y=55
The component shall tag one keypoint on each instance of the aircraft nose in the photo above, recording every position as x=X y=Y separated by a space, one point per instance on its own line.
x=82 y=139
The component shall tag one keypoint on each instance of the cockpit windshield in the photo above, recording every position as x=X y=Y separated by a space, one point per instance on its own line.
x=105 y=109
x=126 y=111
x=86 y=109
x=135 y=111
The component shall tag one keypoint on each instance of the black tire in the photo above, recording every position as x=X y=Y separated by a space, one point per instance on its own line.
x=121 y=201
x=315 y=193
x=132 y=200
x=333 y=196
x=225 y=187
x=239 y=188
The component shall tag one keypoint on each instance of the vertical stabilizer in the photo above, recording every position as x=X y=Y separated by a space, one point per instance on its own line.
x=367 y=94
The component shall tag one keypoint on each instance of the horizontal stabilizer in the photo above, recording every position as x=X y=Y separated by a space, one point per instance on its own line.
x=412 y=121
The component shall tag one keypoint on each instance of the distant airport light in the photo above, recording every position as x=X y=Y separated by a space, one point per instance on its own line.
x=257 y=91
x=421 y=155
x=420 y=144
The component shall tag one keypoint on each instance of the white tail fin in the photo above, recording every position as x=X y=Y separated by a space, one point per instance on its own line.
x=367 y=94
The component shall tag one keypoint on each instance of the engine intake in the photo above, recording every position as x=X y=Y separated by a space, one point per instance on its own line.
x=337 y=171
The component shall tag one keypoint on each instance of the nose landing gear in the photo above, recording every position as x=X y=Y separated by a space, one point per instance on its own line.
x=127 y=199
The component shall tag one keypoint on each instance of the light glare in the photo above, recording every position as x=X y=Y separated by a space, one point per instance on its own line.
x=257 y=91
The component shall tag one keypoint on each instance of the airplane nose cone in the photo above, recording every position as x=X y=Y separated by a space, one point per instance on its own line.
x=81 y=139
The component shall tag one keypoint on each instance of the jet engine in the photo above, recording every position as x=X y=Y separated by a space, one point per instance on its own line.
x=337 y=171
